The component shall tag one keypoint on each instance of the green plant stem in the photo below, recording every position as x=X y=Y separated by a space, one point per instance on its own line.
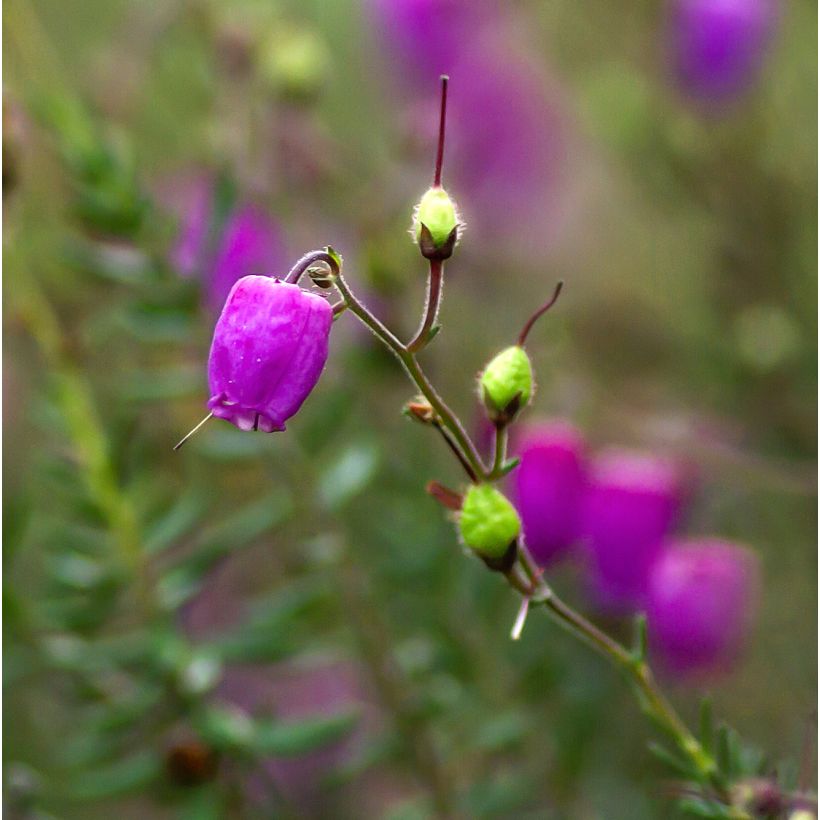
x=636 y=668
x=540 y=593
x=434 y=292
x=500 y=453
x=448 y=418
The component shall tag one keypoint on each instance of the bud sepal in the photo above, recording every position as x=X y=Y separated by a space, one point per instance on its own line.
x=436 y=224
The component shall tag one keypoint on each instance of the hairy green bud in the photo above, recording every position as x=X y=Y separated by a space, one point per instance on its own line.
x=436 y=224
x=507 y=382
x=488 y=523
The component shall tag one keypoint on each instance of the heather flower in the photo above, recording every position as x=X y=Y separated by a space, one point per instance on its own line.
x=631 y=504
x=701 y=600
x=191 y=200
x=425 y=37
x=247 y=242
x=269 y=348
x=719 y=45
x=250 y=244
x=548 y=488
x=517 y=155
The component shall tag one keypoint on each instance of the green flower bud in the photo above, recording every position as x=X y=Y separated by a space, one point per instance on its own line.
x=488 y=523
x=507 y=382
x=436 y=224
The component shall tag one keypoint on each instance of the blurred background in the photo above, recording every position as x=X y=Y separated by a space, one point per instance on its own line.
x=284 y=625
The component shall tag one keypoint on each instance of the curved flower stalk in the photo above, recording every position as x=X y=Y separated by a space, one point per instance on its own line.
x=490 y=526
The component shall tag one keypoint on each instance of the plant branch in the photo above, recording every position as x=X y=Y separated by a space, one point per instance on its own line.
x=434 y=289
x=636 y=668
x=448 y=418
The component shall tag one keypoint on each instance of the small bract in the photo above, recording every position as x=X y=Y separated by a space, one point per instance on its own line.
x=269 y=348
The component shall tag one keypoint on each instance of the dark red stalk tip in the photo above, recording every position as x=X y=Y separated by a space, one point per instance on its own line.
x=441 y=123
x=522 y=338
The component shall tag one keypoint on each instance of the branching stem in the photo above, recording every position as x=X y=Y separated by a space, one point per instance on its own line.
x=526 y=577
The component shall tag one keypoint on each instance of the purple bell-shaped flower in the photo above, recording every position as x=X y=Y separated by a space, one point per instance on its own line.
x=548 y=488
x=631 y=505
x=269 y=348
x=702 y=597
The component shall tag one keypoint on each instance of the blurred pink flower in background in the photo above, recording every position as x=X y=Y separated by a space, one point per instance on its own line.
x=506 y=156
x=718 y=46
x=247 y=242
x=702 y=596
x=425 y=37
x=548 y=487
x=632 y=503
x=190 y=199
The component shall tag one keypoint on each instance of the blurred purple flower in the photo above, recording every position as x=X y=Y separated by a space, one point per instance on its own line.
x=506 y=151
x=249 y=245
x=702 y=598
x=269 y=348
x=548 y=488
x=631 y=505
x=249 y=242
x=718 y=45
x=424 y=37
x=192 y=200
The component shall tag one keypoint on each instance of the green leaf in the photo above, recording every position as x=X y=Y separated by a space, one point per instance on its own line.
x=177 y=521
x=184 y=580
x=121 y=777
x=226 y=728
x=705 y=808
x=348 y=475
x=269 y=632
x=670 y=759
x=724 y=749
x=299 y=737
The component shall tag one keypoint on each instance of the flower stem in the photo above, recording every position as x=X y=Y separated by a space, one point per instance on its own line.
x=636 y=668
x=500 y=454
x=448 y=418
x=434 y=282
x=525 y=576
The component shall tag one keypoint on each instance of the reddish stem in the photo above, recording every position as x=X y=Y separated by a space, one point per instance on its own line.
x=442 y=119
x=538 y=314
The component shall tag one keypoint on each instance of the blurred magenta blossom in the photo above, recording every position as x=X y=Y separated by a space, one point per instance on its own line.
x=248 y=242
x=702 y=597
x=631 y=504
x=507 y=142
x=617 y=511
x=548 y=488
x=718 y=46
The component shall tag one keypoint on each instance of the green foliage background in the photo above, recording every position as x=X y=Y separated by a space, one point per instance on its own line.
x=688 y=324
